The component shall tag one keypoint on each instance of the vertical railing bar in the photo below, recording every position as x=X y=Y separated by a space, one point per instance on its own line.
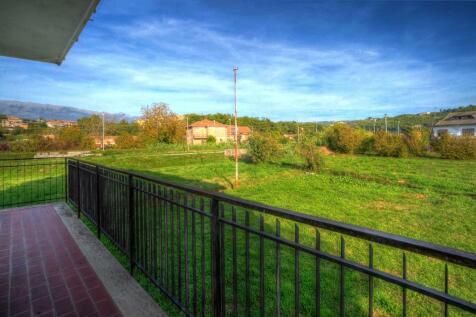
x=318 y=275
x=261 y=268
x=297 y=300
x=222 y=256
x=202 y=258
x=79 y=190
x=179 y=246
x=156 y=227
x=278 y=270
x=194 y=262
x=161 y=233
x=371 y=281
x=172 y=240
x=216 y=259
x=404 y=289
x=131 y=225
x=166 y=238
x=66 y=194
x=234 y=264
x=446 y=288
x=185 y=250
x=98 y=204
x=247 y=266
x=342 y=278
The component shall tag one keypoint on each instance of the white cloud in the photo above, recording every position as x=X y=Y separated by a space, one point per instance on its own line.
x=189 y=65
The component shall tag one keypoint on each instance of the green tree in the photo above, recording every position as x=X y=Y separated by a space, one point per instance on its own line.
x=162 y=125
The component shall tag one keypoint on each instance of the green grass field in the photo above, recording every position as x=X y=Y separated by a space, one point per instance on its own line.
x=427 y=199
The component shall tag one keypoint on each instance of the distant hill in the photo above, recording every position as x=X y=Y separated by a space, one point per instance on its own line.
x=33 y=110
x=407 y=121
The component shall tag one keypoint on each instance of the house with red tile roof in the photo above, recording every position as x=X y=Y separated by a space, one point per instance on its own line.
x=199 y=132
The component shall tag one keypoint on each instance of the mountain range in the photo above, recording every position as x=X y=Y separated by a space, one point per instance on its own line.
x=33 y=110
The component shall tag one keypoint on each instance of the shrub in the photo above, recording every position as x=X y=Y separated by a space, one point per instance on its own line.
x=418 y=141
x=312 y=155
x=343 y=138
x=388 y=144
x=457 y=148
x=128 y=141
x=264 y=148
x=211 y=139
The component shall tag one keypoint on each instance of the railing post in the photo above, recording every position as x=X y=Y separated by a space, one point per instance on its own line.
x=66 y=179
x=131 y=225
x=98 y=204
x=216 y=259
x=79 y=189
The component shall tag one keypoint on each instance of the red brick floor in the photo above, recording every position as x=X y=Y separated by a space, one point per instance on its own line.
x=42 y=270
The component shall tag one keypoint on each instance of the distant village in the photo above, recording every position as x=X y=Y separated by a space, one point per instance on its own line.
x=199 y=132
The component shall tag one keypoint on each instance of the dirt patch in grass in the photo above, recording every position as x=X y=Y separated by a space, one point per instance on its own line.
x=385 y=205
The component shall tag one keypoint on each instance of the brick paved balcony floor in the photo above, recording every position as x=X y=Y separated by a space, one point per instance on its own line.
x=42 y=270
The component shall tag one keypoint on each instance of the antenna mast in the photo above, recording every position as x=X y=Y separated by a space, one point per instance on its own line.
x=235 y=71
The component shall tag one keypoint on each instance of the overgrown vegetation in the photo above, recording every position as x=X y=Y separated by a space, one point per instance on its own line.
x=264 y=148
x=308 y=150
x=459 y=148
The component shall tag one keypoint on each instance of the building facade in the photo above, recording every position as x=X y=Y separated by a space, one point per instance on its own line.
x=12 y=122
x=456 y=124
x=199 y=132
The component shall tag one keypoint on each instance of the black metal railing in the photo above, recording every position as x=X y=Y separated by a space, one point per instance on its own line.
x=26 y=181
x=213 y=254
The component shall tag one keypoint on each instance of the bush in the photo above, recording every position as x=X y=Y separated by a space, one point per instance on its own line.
x=457 y=148
x=312 y=155
x=418 y=142
x=388 y=144
x=343 y=138
x=211 y=139
x=264 y=148
x=128 y=141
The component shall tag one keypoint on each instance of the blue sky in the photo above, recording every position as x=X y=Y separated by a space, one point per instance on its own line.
x=298 y=60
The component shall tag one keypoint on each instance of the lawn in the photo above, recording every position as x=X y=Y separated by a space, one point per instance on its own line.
x=426 y=199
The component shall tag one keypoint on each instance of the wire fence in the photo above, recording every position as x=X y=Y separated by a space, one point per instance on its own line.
x=216 y=255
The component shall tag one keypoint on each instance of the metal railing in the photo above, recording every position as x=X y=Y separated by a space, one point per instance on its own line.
x=213 y=254
x=26 y=181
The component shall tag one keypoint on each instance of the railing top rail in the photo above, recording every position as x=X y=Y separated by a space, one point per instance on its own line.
x=32 y=158
x=425 y=248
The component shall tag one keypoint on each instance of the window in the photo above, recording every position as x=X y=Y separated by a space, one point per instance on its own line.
x=442 y=131
x=468 y=132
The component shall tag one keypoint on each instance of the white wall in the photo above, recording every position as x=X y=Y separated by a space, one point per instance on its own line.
x=456 y=131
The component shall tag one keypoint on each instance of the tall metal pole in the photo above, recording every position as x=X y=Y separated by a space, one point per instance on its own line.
x=235 y=71
x=102 y=143
x=186 y=136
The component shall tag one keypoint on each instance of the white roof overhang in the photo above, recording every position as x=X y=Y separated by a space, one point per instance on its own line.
x=42 y=30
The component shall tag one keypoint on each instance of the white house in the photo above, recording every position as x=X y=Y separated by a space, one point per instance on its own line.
x=456 y=124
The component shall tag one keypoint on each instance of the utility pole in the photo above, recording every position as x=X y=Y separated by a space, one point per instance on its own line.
x=102 y=142
x=235 y=71
x=386 y=123
x=186 y=136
